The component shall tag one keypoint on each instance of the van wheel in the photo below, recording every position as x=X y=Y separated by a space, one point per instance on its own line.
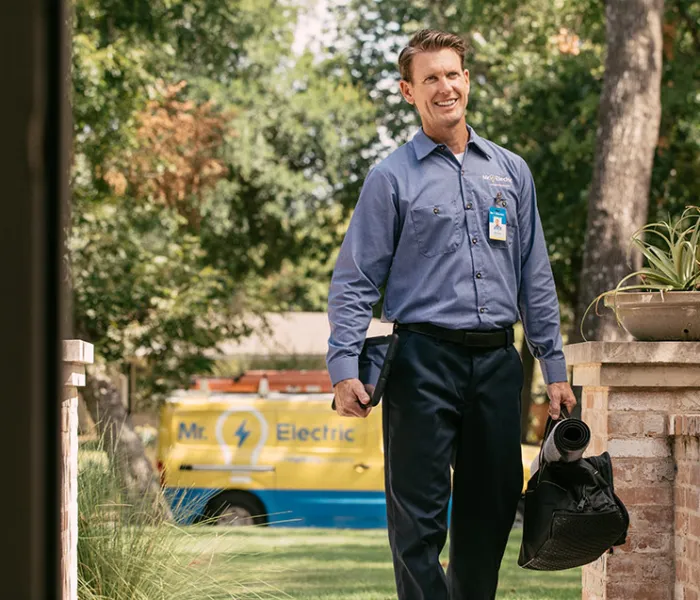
x=236 y=509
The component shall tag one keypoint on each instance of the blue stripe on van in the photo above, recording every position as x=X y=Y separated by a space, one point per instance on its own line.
x=294 y=508
x=325 y=508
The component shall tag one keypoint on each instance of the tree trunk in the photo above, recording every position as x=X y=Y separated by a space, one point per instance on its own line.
x=526 y=394
x=86 y=426
x=123 y=446
x=629 y=117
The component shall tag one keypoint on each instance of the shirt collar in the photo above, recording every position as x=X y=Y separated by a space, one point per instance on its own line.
x=423 y=145
x=478 y=142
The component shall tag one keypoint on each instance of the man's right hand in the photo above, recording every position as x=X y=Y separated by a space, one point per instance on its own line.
x=351 y=398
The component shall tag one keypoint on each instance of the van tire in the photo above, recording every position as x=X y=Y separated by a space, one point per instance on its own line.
x=235 y=509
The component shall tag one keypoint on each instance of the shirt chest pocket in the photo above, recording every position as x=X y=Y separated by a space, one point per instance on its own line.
x=438 y=228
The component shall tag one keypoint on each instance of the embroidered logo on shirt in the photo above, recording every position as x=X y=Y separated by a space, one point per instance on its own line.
x=496 y=179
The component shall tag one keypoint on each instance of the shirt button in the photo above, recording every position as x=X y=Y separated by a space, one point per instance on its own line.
x=462 y=171
x=478 y=275
x=469 y=206
x=482 y=310
x=504 y=204
x=436 y=211
x=473 y=240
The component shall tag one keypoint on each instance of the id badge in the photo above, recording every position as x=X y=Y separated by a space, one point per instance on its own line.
x=497 y=224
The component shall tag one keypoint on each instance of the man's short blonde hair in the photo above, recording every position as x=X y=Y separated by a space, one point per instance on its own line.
x=429 y=40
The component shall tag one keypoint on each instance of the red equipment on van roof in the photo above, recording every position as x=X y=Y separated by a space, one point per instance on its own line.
x=316 y=381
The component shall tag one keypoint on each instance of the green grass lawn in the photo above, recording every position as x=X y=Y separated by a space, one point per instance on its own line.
x=331 y=564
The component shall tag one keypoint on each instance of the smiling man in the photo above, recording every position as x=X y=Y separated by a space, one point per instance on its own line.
x=449 y=224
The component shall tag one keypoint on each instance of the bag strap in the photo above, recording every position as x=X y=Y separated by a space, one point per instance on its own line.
x=563 y=415
x=548 y=428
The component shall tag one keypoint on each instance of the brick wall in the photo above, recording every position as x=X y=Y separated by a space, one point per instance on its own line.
x=633 y=428
x=686 y=431
x=642 y=402
x=594 y=410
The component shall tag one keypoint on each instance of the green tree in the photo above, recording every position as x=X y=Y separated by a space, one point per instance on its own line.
x=197 y=203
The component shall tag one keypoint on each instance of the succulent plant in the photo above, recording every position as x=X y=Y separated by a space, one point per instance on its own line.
x=671 y=250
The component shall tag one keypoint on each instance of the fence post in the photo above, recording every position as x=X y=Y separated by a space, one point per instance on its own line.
x=76 y=354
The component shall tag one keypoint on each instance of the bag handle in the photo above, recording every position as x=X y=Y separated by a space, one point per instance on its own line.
x=563 y=414
x=548 y=428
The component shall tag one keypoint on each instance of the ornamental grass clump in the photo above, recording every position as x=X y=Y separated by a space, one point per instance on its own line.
x=131 y=553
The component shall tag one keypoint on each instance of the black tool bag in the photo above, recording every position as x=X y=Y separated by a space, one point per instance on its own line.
x=572 y=515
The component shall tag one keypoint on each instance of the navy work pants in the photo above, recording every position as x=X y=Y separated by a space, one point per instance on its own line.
x=450 y=405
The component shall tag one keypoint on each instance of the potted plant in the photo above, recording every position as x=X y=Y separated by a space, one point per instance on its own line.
x=665 y=304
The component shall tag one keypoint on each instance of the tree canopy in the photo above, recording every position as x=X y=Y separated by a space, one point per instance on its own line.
x=214 y=171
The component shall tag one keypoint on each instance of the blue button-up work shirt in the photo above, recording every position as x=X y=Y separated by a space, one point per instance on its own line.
x=421 y=226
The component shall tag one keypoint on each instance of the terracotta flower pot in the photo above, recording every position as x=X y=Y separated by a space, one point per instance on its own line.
x=658 y=317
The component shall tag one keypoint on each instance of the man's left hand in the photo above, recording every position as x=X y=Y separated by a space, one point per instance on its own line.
x=560 y=393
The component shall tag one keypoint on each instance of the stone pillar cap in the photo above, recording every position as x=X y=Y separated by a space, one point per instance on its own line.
x=633 y=352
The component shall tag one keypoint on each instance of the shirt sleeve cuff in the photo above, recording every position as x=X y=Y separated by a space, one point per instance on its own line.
x=554 y=370
x=343 y=368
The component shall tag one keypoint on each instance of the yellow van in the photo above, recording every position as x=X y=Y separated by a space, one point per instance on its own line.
x=283 y=459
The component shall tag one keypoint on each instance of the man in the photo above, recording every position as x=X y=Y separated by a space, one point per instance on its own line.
x=449 y=223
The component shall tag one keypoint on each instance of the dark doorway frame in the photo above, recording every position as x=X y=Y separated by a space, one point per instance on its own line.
x=34 y=308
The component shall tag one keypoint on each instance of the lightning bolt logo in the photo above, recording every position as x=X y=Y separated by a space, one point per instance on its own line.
x=242 y=433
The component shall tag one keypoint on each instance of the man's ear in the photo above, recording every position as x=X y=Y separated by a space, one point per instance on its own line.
x=406 y=91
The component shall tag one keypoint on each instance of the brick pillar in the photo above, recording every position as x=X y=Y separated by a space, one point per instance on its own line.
x=686 y=450
x=76 y=354
x=642 y=401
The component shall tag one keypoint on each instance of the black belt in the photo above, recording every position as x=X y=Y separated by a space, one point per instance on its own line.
x=498 y=338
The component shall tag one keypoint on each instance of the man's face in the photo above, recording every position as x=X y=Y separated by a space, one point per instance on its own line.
x=439 y=89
